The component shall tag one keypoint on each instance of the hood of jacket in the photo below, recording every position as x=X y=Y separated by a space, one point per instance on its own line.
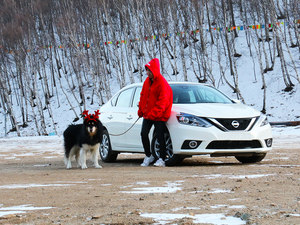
x=154 y=67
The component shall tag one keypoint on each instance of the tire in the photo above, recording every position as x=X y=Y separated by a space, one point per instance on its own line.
x=106 y=153
x=171 y=159
x=252 y=159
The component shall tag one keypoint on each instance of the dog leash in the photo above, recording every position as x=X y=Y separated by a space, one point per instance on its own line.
x=126 y=130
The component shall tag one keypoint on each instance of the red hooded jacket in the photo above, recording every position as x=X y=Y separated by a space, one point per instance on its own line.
x=156 y=97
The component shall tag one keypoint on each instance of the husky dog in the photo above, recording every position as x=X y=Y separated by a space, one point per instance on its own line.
x=83 y=138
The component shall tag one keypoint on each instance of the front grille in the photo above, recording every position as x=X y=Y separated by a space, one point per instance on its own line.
x=228 y=123
x=234 y=144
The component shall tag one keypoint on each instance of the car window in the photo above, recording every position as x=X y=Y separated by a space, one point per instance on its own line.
x=188 y=94
x=136 y=97
x=114 y=100
x=124 y=98
x=211 y=95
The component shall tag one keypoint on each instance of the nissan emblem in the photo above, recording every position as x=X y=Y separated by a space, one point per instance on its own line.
x=235 y=124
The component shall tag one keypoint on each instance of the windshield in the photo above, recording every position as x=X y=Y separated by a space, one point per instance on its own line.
x=190 y=94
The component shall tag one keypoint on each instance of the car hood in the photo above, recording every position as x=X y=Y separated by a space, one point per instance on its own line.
x=217 y=110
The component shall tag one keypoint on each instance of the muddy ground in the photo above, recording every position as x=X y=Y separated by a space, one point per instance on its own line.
x=35 y=188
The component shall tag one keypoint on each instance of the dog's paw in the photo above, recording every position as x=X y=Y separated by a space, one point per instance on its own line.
x=69 y=166
x=98 y=166
x=83 y=167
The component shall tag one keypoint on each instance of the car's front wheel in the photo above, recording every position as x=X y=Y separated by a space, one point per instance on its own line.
x=171 y=159
x=251 y=159
x=106 y=153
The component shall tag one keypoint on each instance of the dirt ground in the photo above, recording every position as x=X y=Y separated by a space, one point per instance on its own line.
x=37 y=189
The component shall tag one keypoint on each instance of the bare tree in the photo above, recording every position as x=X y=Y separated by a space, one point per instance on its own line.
x=56 y=53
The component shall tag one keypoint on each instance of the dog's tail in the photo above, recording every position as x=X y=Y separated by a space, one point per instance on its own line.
x=67 y=152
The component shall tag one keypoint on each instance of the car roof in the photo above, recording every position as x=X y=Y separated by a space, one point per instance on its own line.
x=171 y=82
x=187 y=82
x=140 y=84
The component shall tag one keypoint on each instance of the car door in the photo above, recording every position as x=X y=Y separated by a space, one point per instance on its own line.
x=132 y=138
x=117 y=118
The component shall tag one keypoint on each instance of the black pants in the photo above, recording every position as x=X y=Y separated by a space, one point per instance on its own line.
x=160 y=128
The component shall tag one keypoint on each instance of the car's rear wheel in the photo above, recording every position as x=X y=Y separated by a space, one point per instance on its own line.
x=171 y=159
x=106 y=153
x=251 y=159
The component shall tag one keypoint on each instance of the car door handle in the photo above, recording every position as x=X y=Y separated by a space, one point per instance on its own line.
x=129 y=117
x=110 y=117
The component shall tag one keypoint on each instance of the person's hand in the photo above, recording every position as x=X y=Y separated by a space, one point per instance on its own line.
x=140 y=113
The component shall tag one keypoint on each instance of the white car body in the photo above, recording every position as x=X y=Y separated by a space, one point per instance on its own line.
x=187 y=140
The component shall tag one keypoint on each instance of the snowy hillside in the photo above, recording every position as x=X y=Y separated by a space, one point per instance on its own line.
x=43 y=89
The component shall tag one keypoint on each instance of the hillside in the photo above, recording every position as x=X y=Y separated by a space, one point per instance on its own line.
x=58 y=58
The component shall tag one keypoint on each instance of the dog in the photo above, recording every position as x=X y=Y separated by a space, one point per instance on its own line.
x=81 y=139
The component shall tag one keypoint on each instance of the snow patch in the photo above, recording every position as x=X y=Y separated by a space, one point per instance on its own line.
x=217 y=191
x=18 y=186
x=216 y=219
x=250 y=176
x=4 y=211
x=185 y=208
x=171 y=187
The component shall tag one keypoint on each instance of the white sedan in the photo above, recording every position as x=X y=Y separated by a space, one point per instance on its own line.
x=203 y=121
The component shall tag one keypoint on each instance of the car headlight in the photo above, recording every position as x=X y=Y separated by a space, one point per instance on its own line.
x=263 y=120
x=192 y=120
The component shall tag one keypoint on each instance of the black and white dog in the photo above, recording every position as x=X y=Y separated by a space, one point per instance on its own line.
x=83 y=138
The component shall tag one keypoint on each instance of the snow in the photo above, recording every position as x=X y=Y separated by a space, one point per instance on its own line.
x=216 y=219
x=228 y=206
x=171 y=187
x=219 y=191
x=20 y=209
x=28 y=146
x=249 y=176
x=53 y=146
x=280 y=105
x=20 y=186
x=24 y=207
x=185 y=208
x=5 y=213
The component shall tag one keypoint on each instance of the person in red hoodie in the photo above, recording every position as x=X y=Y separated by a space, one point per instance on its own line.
x=155 y=107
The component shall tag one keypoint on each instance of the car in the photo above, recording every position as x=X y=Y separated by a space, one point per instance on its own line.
x=203 y=121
